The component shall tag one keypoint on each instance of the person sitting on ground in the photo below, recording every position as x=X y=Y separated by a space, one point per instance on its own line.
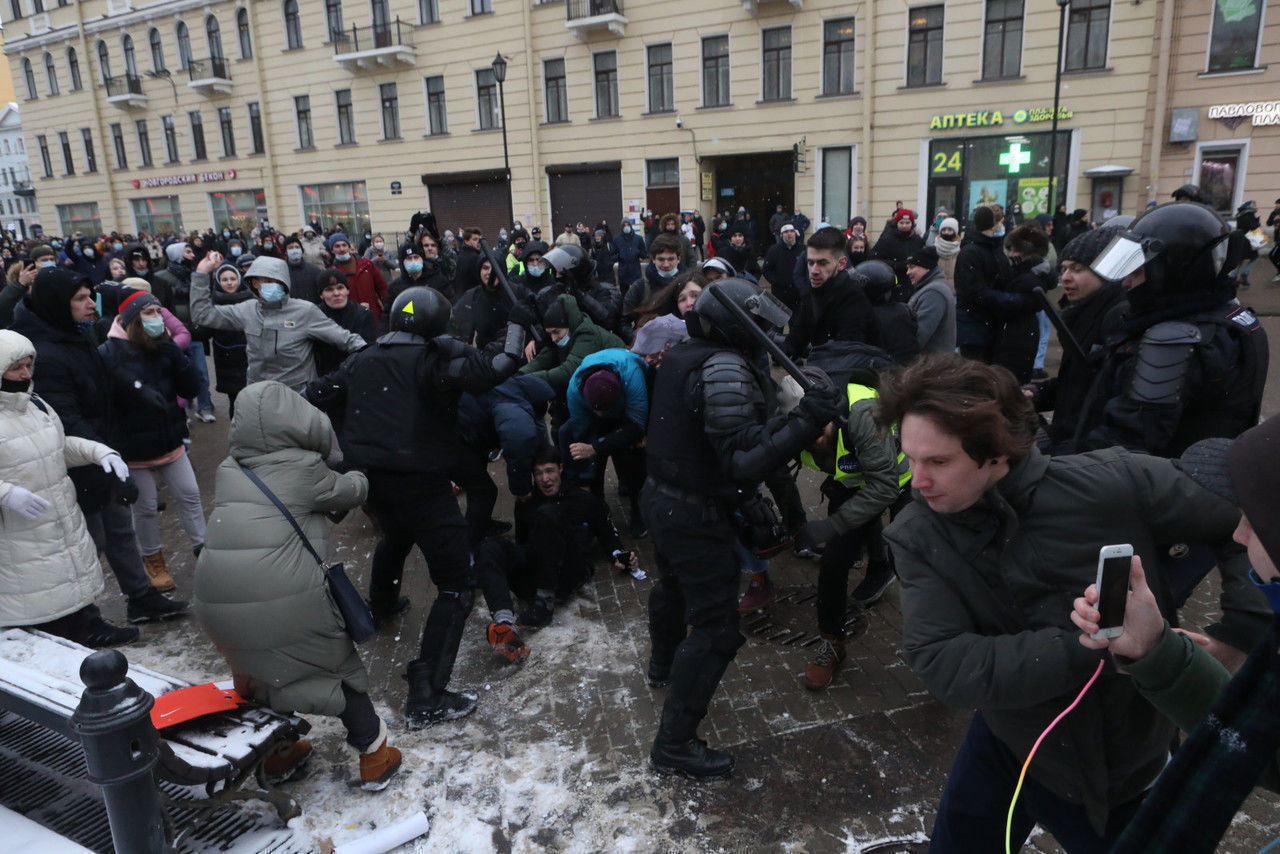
x=260 y=595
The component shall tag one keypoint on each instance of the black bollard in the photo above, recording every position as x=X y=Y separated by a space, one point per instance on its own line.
x=121 y=746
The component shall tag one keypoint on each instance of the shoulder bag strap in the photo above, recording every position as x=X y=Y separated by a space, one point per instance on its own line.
x=257 y=481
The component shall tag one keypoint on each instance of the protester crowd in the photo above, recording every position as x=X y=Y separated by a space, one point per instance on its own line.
x=360 y=373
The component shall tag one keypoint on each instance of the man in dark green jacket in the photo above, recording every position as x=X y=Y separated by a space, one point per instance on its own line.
x=990 y=554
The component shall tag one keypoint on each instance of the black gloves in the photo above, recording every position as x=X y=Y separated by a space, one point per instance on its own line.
x=821 y=406
x=126 y=491
x=522 y=315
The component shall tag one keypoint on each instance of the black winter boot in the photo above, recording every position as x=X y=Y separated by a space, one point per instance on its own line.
x=154 y=605
x=428 y=705
x=691 y=758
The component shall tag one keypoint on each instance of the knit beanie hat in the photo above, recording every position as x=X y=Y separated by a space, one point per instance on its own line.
x=926 y=258
x=602 y=390
x=1086 y=247
x=949 y=223
x=174 y=252
x=133 y=306
x=50 y=296
x=904 y=213
x=335 y=237
x=555 y=317
x=858 y=220
x=983 y=218
x=42 y=251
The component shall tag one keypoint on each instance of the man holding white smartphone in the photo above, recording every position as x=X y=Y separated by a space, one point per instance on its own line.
x=995 y=545
x=1196 y=796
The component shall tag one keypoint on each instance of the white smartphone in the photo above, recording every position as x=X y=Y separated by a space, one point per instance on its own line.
x=1113 y=589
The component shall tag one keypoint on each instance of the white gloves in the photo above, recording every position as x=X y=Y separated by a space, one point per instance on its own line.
x=113 y=464
x=25 y=503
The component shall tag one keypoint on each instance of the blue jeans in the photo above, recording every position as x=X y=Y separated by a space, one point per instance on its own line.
x=195 y=352
x=975 y=804
x=1044 y=340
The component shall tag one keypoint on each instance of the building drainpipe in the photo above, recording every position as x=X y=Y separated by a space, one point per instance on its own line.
x=275 y=204
x=1162 y=98
x=103 y=140
x=535 y=156
x=868 y=101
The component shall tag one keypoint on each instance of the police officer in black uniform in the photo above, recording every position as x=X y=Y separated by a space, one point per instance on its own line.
x=1189 y=362
x=400 y=402
x=574 y=275
x=710 y=440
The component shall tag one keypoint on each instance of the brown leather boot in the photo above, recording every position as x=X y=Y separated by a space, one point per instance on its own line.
x=287 y=758
x=819 y=672
x=378 y=764
x=158 y=572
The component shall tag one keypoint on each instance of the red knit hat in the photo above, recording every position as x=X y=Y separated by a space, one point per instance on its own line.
x=904 y=212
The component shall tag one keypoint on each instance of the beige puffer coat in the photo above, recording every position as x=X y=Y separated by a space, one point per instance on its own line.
x=259 y=594
x=48 y=566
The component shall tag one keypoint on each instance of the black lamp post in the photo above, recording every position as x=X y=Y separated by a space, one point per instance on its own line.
x=499 y=67
x=1057 y=93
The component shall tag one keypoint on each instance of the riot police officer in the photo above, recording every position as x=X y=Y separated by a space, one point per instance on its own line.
x=711 y=441
x=1189 y=361
x=400 y=402
x=574 y=275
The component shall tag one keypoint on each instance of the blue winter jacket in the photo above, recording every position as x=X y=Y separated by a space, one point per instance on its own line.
x=634 y=404
x=507 y=417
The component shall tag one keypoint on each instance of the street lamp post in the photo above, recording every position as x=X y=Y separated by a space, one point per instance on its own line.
x=163 y=74
x=1057 y=93
x=499 y=67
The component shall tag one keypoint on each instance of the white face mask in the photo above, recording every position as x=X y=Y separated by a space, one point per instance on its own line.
x=343 y=256
x=294 y=255
x=378 y=244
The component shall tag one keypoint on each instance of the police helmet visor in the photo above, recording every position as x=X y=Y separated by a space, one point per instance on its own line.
x=1125 y=254
x=769 y=311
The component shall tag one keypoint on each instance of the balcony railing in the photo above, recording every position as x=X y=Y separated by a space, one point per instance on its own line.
x=125 y=91
x=24 y=188
x=587 y=16
x=374 y=45
x=209 y=76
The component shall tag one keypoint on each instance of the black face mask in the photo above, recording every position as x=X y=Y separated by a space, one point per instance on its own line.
x=15 y=385
x=856 y=258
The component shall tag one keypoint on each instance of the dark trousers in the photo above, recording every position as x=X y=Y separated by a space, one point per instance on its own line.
x=360 y=719
x=472 y=475
x=412 y=510
x=697 y=588
x=501 y=564
x=111 y=528
x=74 y=626
x=975 y=804
x=842 y=552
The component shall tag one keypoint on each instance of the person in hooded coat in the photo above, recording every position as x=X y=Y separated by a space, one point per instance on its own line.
x=260 y=595
x=230 y=361
x=480 y=315
x=49 y=570
x=630 y=249
x=415 y=270
x=86 y=261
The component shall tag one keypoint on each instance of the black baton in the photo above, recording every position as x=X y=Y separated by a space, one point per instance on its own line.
x=534 y=332
x=806 y=384
x=1065 y=338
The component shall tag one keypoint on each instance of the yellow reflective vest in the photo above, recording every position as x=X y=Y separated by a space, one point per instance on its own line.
x=848 y=471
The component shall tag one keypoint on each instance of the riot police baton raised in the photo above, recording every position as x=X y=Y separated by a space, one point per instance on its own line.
x=1065 y=338
x=534 y=331
x=768 y=306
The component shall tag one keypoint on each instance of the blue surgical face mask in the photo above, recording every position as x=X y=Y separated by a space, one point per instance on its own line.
x=47 y=262
x=84 y=326
x=272 y=293
x=667 y=274
x=536 y=270
x=88 y=251
x=294 y=255
x=344 y=257
x=626 y=229
x=1270 y=589
x=235 y=251
x=563 y=342
x=413 y=268
x=117 y=246
x=999 y=232
x=153 y=326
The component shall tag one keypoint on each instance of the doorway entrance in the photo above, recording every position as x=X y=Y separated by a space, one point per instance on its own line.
x=757 y=182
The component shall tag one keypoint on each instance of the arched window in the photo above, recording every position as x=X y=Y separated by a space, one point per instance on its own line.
x=51 y=73
x=214 y=34
x=292 y=26
x=104 y=61
x=30 y=77
x=184 y=46
x=130 y=58
x=73 y=68
x=242 y=27
x=157 y=50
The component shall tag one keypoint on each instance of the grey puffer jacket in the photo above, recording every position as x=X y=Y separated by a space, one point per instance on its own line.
x=259 y=593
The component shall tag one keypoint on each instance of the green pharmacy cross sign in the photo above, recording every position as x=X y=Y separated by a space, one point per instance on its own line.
x=1015 y=158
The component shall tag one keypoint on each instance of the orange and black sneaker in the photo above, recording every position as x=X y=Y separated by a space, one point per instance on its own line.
x=506 y=643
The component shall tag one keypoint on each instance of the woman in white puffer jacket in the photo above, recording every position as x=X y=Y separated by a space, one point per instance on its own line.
x=49 y=571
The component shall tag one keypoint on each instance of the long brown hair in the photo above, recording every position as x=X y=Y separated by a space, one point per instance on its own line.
x=664 y=300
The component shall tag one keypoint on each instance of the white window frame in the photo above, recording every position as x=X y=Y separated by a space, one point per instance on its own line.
x=818 y=178
x=546 y=113
x=702 y=77
x=791 y=67
x=1022 y=53
x=1106 y=57
x=906 y=46
x=822 y=59
x=1242 y=145
x=1257 y=48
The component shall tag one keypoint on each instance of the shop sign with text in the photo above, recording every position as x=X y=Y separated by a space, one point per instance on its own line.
x=996 y=118
x=176 y=180
x=1261 y=113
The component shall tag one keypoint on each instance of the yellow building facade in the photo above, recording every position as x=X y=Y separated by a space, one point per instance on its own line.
x=147 y=116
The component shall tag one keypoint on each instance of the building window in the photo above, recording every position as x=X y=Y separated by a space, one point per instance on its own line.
x=184 y=46
x=837 y=183
x=117 y=144
x=46 y=165
x=157 y=50
x=170 y=139
x=255 y=129
x=213 y=34
x=242 y=29
x=715 y=71
x=437 y=119
x=198 y=151
x=924 y=45
x=1233 y=43
x=82 y=216
x=342 y=204
x=346 y=117
x=15 y=8
x=664 y=172
x=144 y=142
x=237 y=208
x=390 y=111
x=381 y=20
x=486 y=99
x=51 y=74
x=333 y=19
x=776 y=63
x=130 y=56
x=606 y=66
x=91 y=156
x=302 y=108
x=1002 y=40
x=428 y=11
x=292 y=25
x=157 y=214
x=68 y=165
x=837 y=57
x=557 y=91
x=1088 y=22
x=104 y=61
x=1219 y=176
x=29 y=76
x=227 y=131
x=661 y=84
x=73 y=68
x=481 y=7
